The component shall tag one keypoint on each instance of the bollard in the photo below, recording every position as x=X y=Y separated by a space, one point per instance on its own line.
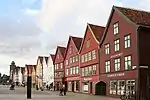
x=29 y=87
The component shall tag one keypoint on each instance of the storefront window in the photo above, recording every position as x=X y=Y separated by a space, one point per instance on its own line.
x=130 y=86
x=120 y=87
x=113 y=87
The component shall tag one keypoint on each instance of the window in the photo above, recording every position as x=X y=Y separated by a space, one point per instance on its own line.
x=127 y=41
x=117 y=64
x=70 y=50
x=70 y=71
x=88 y=43
x=70 y=60
x=116 y=28
x=120 y=87
x=117 y=45
x=61 y=65
x=74 y=70
x=83 y=72
x=94 y=69
x=127 y=62
x=86 y=71
x=89 y=56
x=57 y=66
x=77 y=69
x=90 y=70
x=93 y=54
x=107 y=49
x=107 y=66
x=66 y=62
x=113 y=87
x=130 y=86
x=73 y=59
x=86 y=57
x=82 y=60
x=77 y=58
x=67 y=71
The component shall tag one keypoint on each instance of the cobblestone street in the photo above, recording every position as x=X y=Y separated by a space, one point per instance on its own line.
x=20 y=94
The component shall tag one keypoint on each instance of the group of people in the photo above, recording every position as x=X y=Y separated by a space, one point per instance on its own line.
x=62 y=90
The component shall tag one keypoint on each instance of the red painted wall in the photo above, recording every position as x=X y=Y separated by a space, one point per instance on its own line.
x=125 y=28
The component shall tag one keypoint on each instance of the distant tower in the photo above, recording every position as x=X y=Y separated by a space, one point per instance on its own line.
x=12 y=70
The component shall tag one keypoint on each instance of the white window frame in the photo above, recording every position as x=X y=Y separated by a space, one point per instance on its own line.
x=86 y=57
x=89 y=56
x=127 y=41
x=74 y=70
x=82 y=60
x=71 y=71
x=70 y=60
x=107 y=66
x=67 y=62
x=73 y=59
x=77 y=58
x=77 y=69
x=67 y=71
x=117 y=44
x=117 y=64
x=83 y=72
x=107 y=48
x=116 y=28
x=94 y=54
x=128 y=62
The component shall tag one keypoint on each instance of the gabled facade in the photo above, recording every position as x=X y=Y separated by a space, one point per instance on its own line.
x=59 y=69
x=89 y=58
x=51 y=70
x=124 y=64
x=71 y=63
x=33 y=76
x=39 y=72
x=45 y=72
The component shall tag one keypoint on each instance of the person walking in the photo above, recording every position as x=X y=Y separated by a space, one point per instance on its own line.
x=64 y=89
x=61 y=90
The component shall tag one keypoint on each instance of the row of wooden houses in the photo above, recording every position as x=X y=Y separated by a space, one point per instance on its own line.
x=110 y=60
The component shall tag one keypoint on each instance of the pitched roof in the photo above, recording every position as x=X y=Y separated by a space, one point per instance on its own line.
x=53 y=57
x=137 y=16
x=62 y=50
x=46 y=59
x=77 y=41
x=97 y=31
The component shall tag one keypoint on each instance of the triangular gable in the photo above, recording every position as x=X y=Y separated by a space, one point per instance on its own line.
x=76 y=41
x=92 y=33
x=61 y=50
x=109 y=20
x=46 y=59
x=52 y=57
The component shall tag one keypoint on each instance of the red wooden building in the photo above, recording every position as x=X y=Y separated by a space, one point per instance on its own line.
x=125 y=54
x=71 y=63
x=89 y=59
x=59 y=69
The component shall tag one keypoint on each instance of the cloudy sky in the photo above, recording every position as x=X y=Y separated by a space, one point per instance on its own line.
x=29 y=28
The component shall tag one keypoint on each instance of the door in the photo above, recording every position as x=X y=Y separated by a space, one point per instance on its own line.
x=72 y=86
x=91 y=87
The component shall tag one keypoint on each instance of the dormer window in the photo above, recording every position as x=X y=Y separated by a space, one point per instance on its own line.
x=116 y=28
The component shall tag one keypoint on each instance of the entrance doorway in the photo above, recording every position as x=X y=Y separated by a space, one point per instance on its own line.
x=72 y=86
x=100 y=88
x=91 y=87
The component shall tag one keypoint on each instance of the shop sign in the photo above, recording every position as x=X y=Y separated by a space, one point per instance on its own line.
x=72 y=78
x=87 y=79
x=116 y=55
x=116 y=74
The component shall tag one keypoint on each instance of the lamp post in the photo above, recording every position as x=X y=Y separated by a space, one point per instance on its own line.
x=29 y=83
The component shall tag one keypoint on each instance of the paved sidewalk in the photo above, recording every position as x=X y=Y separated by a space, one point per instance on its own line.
x=20 y=94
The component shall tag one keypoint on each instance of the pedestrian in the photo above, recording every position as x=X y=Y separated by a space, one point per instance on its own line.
x=64 y=89
x=61 y=90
